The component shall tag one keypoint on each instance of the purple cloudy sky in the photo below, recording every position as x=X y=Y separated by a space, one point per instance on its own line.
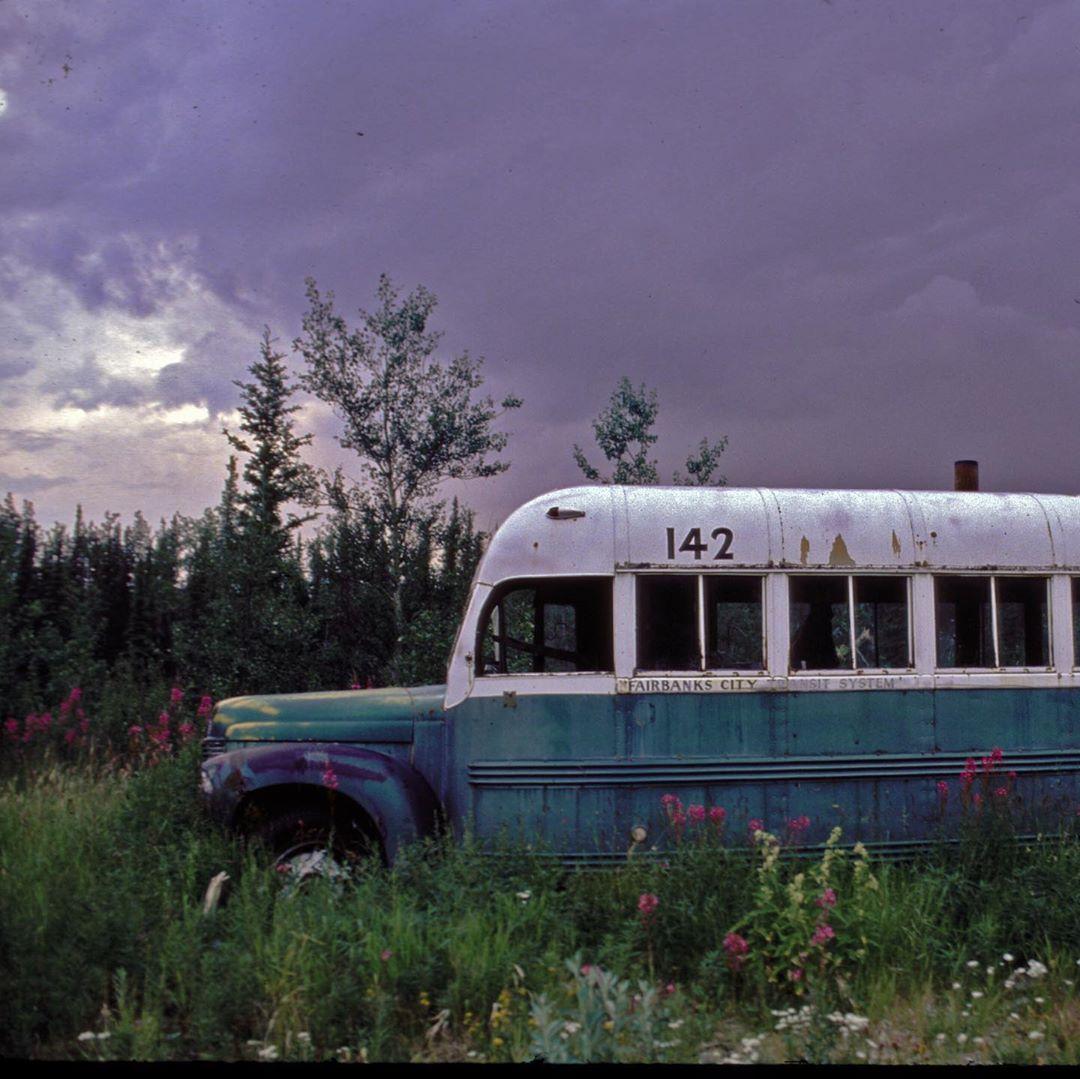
x=845 y=234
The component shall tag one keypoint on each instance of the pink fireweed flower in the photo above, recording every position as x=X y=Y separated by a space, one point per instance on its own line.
x=667 y=800
x=11 y=729
x=329 y=778
x=84 y=725
x=206 y=706
x=943 y=789
x=696 y=814
x=647 y=904
x=135 y=731
x=822 y=934
x=967 y=777
x=386 y=954
x=717 y=814
x=827 y=899
x=996 y=754
x=669 y=989
x=176 y=695
x=754 y=825
x=1001 y=792
x=737 y=949
x=586 y=969
x=678 y=818
x=186 y=730
x=798 y=825
x=70 y=735
x=976 y=798
x=1011 y=776
x=795 y=974
x=355 y=685
x=163 y=720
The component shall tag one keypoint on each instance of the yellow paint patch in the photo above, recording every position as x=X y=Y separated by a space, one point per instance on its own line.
x=839 y=556
x=804 y=550
x=895 y=545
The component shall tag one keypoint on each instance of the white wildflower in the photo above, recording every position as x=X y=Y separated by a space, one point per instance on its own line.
x=1036 y=1035
x=961 y=1038
x=103 y=1036
x=1007 y=957
x=957 y=985
x=524 y=896
x=1035 y=969
x=304 y=1037
x=86 y=1036
x=976 y=994
x=972 y=964
x=675 y=1024
x=1040 y=1000
x=939 y=1037
x=268 y=1052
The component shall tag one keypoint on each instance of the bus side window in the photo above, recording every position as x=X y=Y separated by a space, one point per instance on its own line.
x=820 y=623
x=733 y=623
x=965 y=635
x=1076 y=620
x=667 y=623
x=555 y=625
x=881 y=622
x=1022 y=621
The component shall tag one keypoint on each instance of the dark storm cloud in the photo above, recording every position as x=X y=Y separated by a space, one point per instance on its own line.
x=842 y=233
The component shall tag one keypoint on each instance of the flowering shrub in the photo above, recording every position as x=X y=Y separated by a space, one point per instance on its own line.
x=679 y=817
x=806 y=930
x=70 y=734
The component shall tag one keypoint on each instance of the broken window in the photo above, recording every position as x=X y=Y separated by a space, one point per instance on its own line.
x=1076 y=620
x=1023 y=624
x=847 y=623
x=820 y=623
x=965 y=633
x=969 y=635
x=881 y=622
x=667 y=623
x=733 y=629
x=547 y=626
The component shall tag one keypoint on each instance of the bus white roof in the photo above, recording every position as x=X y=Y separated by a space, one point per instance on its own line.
x=627 y=527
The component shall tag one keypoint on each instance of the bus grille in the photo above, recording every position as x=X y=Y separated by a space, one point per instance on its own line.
x=211 y=747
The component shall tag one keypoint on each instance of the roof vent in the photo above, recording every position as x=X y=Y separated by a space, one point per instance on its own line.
x=966 y=476
x=558 y=513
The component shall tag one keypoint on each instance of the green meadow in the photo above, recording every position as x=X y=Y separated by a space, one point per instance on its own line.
x=725 y=950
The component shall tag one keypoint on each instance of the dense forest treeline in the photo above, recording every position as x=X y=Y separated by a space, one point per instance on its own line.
x=196 y=601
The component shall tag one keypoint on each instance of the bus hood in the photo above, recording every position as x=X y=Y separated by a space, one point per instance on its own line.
x=366 y=715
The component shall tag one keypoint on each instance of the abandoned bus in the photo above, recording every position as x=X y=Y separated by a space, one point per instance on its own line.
x=833 y=655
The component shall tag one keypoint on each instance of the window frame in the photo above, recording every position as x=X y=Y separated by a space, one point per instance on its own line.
x=998 y=667
x=492 y=610
x=703 y=670
x=909 y=607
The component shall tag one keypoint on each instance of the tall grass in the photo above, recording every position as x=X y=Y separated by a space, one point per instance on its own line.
x=106 y=950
